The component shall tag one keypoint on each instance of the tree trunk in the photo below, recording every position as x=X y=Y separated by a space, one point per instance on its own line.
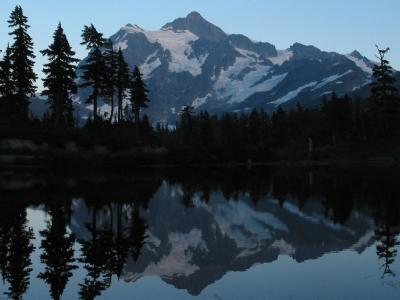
x=95 y=105
x=112 y=109
x=137 y=115
x=119 y=114
x=57 y=110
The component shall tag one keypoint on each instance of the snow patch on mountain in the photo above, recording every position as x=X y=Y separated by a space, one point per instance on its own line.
x=123 y=45
x=178 y=44
x=330 y=79
x=293 y=94
x=200 y=101
x=282 y=57
x=151 y=63
x=244 y=78
x=361 y=64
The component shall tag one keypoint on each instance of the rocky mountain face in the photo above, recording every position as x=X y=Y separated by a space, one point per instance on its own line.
x=193 y=62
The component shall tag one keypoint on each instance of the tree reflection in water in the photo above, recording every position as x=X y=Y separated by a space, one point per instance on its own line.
x=57 y=246
x=117 y=230
x=16 y=247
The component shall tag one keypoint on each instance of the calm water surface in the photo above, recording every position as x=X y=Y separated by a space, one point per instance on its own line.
x=201 y=234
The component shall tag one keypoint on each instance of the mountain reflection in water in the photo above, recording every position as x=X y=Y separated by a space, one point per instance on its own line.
x=83 y=236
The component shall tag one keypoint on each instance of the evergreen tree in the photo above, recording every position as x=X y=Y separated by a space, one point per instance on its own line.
x=338 y=116
x=22 y=62
x=254 y=128
x=206 y=130
x=94 y=67
x=60 y=83
x=138 y=94
x=187 y=124
x=109 y=76
x=122 y=82
x=280 y=127
x=7 y=87
x=386 y=103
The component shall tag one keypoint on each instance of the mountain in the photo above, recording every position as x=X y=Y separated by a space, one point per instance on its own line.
x=192 y=62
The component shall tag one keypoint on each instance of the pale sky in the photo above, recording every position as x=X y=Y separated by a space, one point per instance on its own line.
x=339 y=25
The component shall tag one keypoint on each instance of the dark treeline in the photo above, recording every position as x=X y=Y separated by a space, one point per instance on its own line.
x=340 y=123
x=117 y=230
x=340 y=126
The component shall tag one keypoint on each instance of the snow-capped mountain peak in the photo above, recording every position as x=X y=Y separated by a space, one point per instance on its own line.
x=132 y=28
x=196 y=24
x=192 y=61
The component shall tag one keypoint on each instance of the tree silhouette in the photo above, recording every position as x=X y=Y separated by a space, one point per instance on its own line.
x=95 y=254
x=187 y=124
x=386 y=103
x=58 y=252
x=138 y=233
x=280 y=127
x=7 y=86
x=122 y=82
x=109 y=80
x=94 y=67
x=22 y=62
x=60 y=78
x=386 y=236
x=20 y=248
x=138 y=94
x=120 y=243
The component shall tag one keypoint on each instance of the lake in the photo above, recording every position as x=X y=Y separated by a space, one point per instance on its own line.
x=201 y=234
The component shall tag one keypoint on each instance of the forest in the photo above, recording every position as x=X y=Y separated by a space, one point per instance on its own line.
x=341 y=127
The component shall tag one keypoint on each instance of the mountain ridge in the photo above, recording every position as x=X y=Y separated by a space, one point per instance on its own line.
x=191 y=61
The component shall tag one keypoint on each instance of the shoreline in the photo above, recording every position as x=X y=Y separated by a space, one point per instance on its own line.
x=96 y=165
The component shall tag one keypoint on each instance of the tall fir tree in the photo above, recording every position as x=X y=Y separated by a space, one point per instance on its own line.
x=60 y=78
x=138 y=94
x=22 y=62
x=280 y=127
x=385 y=99
x=109 y=76
x=187 y=124
x=94 y=67
x=122 y=82
x=7 y=87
